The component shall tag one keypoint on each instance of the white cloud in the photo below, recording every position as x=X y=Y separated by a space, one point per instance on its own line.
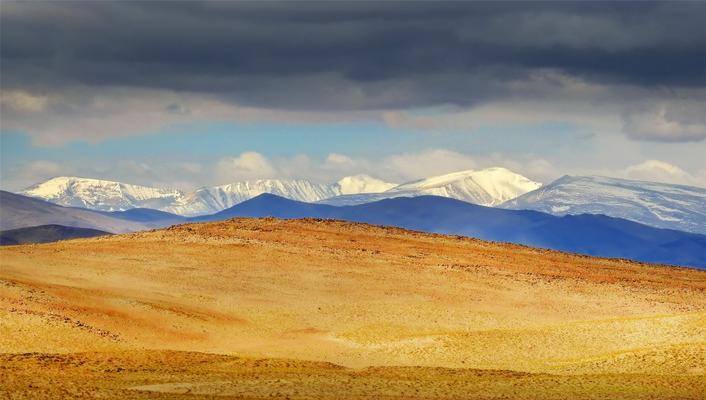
x=336 y=159
x=401 y=167
x=180 y=175
x=648 y=170
x=248 y=165
x=26 y=174
x=253 y=165
x=431 y=162
x=43 y=168
x=190 y=167
x=660 y=171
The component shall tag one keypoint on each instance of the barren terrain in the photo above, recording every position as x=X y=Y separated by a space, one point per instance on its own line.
x=252 y=308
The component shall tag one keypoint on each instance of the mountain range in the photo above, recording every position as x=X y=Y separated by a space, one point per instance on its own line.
x=659 y=205
x=595 y=235
x=487 y=187
x=17 y=211
x=490 y=187
x=103 y=195
x=656 y=204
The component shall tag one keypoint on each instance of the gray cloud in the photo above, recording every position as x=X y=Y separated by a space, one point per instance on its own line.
x=235 y=48
x=352 y=56
x=674 y=121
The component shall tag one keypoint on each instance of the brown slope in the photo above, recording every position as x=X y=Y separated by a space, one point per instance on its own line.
x=181 y=375
x=355 y=295
x=350 y=294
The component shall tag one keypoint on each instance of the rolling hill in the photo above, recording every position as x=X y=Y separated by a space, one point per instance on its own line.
x=46 y=234
x=595 y=235
x=586 y=234
x=153 y=218
x=266 y=308
x=18 y=211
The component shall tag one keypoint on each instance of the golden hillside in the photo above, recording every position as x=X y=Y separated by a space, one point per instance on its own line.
x=342 y=310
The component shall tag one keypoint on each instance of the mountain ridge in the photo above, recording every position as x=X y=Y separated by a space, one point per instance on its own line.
x=588 y=234
x=207 y=200
x=46 y=234
x=100 y=194
x=18 y=211
x=594 y=235
x=489 y=187
x=660 y=205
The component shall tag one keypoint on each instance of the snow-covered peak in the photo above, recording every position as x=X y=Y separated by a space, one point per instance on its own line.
x=362 y=183
x=212 y=199
x=100 y=194
x=296 y=189
x=657 y=204
x=488 y=187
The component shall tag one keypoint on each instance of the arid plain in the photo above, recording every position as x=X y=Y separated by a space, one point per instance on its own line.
x=261 y=308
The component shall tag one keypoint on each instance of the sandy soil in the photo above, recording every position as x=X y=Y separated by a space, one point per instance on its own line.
x=327 y=309
x=188 y=375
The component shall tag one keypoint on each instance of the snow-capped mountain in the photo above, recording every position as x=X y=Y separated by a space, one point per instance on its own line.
x=362 y=184
x=487 y=187
x=657 y=204
x=208 y=200
x=102 y=195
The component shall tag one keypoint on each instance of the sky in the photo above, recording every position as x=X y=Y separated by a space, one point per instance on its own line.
x=190 y=94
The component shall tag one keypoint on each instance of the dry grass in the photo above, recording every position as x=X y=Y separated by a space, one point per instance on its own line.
x=349 y=294
x=167 y=374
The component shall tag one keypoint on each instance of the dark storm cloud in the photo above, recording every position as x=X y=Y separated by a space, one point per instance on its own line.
x=357 y=55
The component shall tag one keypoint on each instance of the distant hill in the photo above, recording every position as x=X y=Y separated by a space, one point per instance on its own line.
x=660 y=205
x=17 y=211
x=147 y=216
x=595 y=235
x=45 y=234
